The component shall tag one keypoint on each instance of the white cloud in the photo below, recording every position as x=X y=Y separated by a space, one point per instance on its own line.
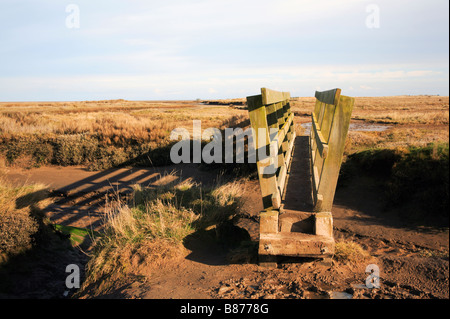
x=422 y=73
x=229 y=82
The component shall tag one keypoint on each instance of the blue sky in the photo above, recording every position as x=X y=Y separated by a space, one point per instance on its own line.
x=173 y=49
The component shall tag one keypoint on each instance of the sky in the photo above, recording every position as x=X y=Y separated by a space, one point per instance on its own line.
x=56 y=50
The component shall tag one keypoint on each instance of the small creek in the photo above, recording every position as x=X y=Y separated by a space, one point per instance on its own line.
x=355 y=127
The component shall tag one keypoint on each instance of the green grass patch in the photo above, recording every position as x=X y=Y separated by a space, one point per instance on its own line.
x=76 y=235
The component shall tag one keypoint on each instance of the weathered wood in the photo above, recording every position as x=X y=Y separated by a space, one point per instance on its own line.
x=280 y=113
x=268 y=221
x=336 y=143
x=290 y=148
x=268 y=184
x=319 y=140
x=330 y=119
x=328 y=97
x=254 y=102
x=297 y=222
x=285 y=129
x=270 y=96
x=296 y=245
x=315 y=181
x=270 y=111
x=286 y=109
x=323 y=224
x=281 y=180
x=317 y=108
x=327 y=121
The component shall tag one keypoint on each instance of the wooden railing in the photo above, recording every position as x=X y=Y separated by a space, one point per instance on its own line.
x=273 y=126
x=330 y=122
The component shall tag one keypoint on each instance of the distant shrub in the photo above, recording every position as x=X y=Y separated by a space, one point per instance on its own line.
x=80 y=149
x=69 y=150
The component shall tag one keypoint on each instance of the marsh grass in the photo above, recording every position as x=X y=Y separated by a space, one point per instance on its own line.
x=104 y=134
x=412 y=121
x=419 y=109
x=99 y=134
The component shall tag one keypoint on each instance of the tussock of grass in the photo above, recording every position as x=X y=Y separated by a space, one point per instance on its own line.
x=427 y=253
x=18 y=225
x=152 y=227
x=350 y=252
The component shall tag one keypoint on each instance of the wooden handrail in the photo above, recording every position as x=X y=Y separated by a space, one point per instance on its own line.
x=270 y=111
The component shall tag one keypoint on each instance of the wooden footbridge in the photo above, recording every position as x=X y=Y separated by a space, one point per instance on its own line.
x=298 y=174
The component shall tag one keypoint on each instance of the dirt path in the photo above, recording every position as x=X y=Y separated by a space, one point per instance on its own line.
x=413 y=260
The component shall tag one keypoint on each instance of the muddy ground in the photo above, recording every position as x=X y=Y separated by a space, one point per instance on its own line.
x=412 y=258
